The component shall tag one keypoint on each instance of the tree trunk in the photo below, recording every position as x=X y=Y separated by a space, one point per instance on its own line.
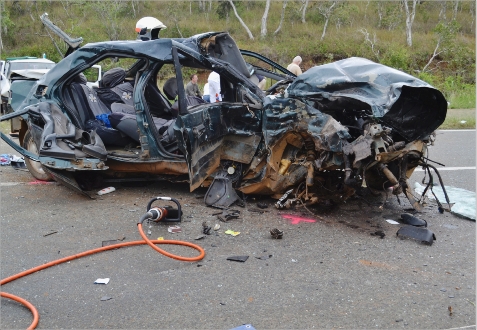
x=324 y=29
x=263 y=31
x=326 y=12
x=303 y=13
x=410 y=14
x=250 y=35
x=281 y=17
x=456 y=8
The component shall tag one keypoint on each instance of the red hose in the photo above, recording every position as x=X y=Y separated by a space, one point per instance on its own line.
x=151 y=243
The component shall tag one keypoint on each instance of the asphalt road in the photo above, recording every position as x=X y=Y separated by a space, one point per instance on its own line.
x=327 y=271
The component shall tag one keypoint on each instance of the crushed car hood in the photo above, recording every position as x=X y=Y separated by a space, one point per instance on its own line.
x=410 y=106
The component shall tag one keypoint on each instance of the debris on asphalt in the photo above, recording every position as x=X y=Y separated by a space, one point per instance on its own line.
x=255 y=210
x=409 y=219
x=422 y=235
x=379 y=233
x=264 y=257
x=106 y=191
x=232 y=233
x=262 y=205
x=216 y=227
x=450 y=310
x=281 y=203
x=276 y=233
x=199 y=237
x=174 y=229
x=105 y=298
x=53 y=232
x=392 y=222
x=206 y=229
x=160 y=238
x=238 y=258
x=227 y=215
x=5 y=159
x=109 y=242
x=102 y=281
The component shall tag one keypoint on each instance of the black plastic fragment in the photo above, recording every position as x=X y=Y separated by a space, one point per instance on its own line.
x=238 y=258
x=409 y=219
x=379 y=233
x=423 y=235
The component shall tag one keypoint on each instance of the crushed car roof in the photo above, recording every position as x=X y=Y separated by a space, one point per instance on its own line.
x=392 y=95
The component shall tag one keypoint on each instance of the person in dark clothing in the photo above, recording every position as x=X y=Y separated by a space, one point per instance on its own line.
x=192 y=89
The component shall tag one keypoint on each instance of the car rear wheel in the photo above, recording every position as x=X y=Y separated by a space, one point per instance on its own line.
x=35 y=168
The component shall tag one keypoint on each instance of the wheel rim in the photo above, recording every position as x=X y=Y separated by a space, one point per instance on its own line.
x=31 y=146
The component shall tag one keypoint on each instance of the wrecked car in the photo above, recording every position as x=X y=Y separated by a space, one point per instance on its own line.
x=322 y=135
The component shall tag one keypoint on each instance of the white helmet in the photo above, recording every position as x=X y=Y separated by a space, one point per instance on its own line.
x=148 y=28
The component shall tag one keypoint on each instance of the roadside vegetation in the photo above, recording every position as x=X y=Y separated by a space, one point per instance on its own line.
x=432 y=40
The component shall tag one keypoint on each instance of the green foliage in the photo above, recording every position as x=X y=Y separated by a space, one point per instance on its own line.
x=397 y=58
x=223 y=9
x=452 y=71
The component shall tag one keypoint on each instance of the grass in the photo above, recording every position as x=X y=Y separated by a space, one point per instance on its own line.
x=459 y=119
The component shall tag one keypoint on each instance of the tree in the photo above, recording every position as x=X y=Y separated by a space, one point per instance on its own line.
x=281 y=17
x=326 y=12
x=250 y=35
x=111 y=14
x=445 y=40
x=263 y=30
x=410 y=14
x=303 y=13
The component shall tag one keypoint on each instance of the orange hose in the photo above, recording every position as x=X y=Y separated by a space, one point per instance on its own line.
x=151 y=243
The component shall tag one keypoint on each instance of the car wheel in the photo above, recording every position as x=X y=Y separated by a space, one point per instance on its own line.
x=35 y=168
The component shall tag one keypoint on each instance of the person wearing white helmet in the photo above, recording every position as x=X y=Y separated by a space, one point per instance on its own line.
x=148 y=28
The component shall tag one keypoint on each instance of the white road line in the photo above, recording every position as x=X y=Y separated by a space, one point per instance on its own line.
x=449 y=168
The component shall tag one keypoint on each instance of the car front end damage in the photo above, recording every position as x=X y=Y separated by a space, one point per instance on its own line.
x=341 y=127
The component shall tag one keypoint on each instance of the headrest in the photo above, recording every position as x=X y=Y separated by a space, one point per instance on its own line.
x=80 y=79
x=113 y=77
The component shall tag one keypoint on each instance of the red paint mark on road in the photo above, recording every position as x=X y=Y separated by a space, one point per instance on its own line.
x=39 y=182
x=294 y=220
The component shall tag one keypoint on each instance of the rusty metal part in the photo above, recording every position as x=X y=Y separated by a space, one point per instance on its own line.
x=397 y=189
x=152 y=167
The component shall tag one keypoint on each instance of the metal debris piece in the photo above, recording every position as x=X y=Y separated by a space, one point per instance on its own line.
x=200 y=237
x=106 y=298
x=174 y=229
x=206 y=229
x=276 y=233
x=227 y=215
x=423 y=235
x=264 y=257
x=262 y=205
x=53 y=232
x=409 y=219
x=392 y=222
x=238 y=258
x=281 y=203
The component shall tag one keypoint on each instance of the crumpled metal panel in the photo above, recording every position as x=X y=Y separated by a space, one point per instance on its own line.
x=283 y=115
x=286 y=124
x=226 y=131
x=409 y=105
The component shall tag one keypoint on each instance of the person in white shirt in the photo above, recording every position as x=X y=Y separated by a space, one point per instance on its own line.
x=214 y=87
x=294 y=67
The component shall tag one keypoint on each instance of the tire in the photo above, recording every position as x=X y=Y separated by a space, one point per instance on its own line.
x=35 y=168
